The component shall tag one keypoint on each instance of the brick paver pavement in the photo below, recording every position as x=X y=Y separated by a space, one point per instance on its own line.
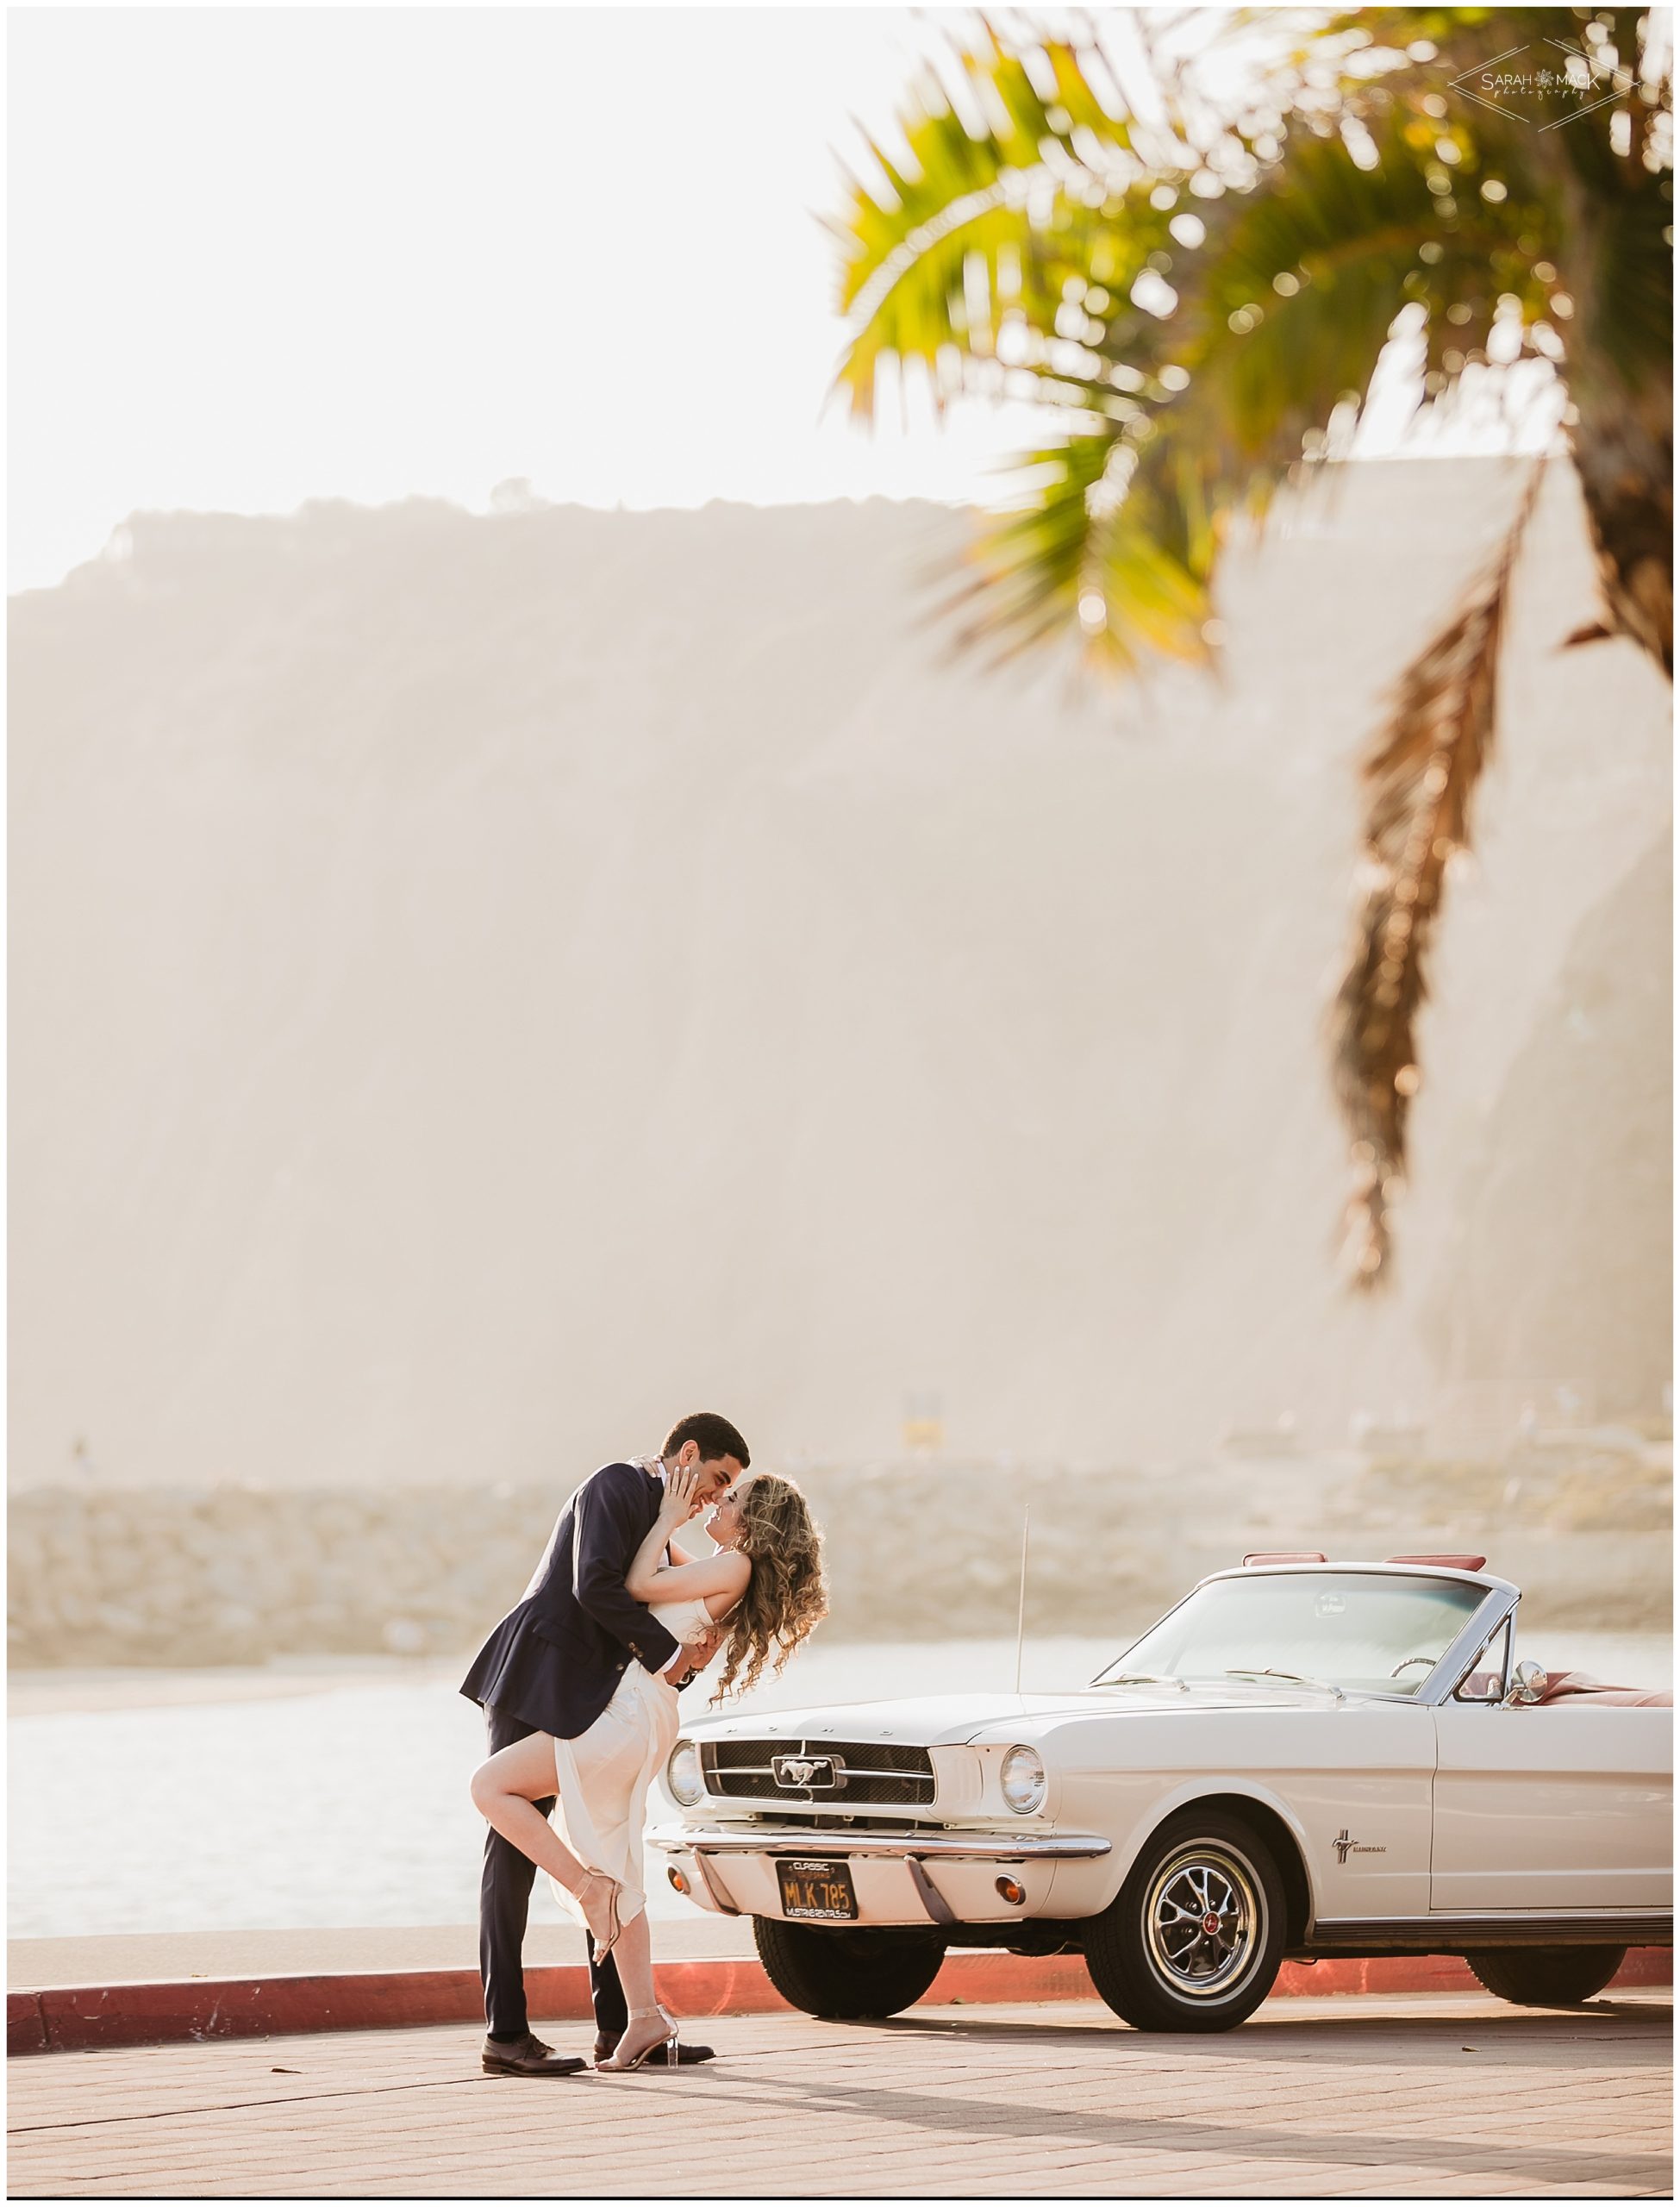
x=1340 y=2098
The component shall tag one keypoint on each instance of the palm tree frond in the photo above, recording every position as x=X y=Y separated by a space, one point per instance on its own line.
x=1420 y=779
x=1201 y=291
x=1125 y=569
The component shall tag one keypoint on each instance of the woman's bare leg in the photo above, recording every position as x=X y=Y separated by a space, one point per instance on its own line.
x=505 y=1791
x=635 y=1952
x=635 y=1956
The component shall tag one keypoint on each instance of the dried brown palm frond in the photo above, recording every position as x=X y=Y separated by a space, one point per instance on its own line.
x=1420 y=778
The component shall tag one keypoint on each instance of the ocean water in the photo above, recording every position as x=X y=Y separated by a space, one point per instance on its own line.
x=316 y=1796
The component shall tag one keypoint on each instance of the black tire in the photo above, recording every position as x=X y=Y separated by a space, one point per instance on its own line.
x=1547 y=1977
x=1147 y=1956
x=846 y=1973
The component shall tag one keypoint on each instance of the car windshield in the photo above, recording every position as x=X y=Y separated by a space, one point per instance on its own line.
x=1360 y=1629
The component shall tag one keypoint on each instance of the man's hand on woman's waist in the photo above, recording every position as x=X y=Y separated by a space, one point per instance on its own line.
x=693 y=1656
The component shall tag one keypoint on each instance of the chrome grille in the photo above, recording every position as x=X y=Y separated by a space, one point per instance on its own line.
x=830 y=1773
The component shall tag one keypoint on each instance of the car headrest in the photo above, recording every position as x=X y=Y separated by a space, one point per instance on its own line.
x=1283 y=1555
x=1447 y=1562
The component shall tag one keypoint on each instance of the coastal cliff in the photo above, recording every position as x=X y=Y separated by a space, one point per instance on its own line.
x=483 y=986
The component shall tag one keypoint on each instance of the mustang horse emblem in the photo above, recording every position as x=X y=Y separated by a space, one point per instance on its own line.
x=807 y=1771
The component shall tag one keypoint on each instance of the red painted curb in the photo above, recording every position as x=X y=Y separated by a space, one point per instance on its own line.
x=79 y=2019
x=26 y=2027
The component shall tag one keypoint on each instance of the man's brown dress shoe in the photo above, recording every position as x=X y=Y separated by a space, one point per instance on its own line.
x=687 y=2055
x=528 y=2057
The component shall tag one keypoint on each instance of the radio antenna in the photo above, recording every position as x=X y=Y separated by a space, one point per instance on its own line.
x=1021 y=1613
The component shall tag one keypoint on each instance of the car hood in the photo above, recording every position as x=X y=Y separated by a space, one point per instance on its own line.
x=952 y=1719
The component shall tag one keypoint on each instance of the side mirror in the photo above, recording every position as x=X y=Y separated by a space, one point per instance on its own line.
x=1528 y=1683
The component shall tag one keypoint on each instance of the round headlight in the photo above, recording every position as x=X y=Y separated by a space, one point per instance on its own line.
x=1022 y=1780
x=682 y=1774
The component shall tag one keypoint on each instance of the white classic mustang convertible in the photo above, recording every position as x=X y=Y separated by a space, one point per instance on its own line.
x=1302 y=1758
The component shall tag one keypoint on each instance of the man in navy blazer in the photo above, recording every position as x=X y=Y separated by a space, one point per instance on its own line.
x=552 y=1665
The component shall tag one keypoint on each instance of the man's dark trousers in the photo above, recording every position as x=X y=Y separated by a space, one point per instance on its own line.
x=505 y=1904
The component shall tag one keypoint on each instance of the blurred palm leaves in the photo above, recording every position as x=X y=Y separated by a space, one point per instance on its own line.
x=1201 y=288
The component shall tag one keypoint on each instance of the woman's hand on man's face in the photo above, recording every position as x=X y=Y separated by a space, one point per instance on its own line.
x=682 y=1493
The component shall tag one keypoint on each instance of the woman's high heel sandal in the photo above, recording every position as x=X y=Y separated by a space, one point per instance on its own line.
x=602 y=1947
x=663 y=2050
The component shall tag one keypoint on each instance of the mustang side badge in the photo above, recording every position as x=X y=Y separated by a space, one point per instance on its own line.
x=1345 y=1846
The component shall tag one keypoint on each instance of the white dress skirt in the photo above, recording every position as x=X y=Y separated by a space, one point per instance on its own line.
x=602 y=1776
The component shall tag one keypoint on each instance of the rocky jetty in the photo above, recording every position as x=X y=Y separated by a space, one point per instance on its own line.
x=240 y=1574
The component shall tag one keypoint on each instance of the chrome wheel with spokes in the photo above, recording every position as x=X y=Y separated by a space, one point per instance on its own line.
x=1194 y=1939
x=1204 y=1922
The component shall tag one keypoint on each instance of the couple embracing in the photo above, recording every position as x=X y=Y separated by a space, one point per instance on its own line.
x=579 y=1683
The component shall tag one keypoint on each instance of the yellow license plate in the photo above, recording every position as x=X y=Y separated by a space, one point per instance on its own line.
x=823 y=1889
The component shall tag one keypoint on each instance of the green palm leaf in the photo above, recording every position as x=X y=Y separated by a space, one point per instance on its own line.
x=1194 y=307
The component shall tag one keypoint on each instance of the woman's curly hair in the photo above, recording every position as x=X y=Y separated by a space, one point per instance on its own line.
x=785 y=1596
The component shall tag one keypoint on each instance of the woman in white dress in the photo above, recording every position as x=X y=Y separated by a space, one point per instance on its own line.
x=755 y=1598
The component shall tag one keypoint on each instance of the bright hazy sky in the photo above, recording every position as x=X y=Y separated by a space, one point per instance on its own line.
x=262 y=255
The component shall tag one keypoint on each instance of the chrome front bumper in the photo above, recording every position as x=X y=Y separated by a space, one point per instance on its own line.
x=937 y=1876
x=949 y=1846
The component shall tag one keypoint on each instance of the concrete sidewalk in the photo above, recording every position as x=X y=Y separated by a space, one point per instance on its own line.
x=1335 y=2098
